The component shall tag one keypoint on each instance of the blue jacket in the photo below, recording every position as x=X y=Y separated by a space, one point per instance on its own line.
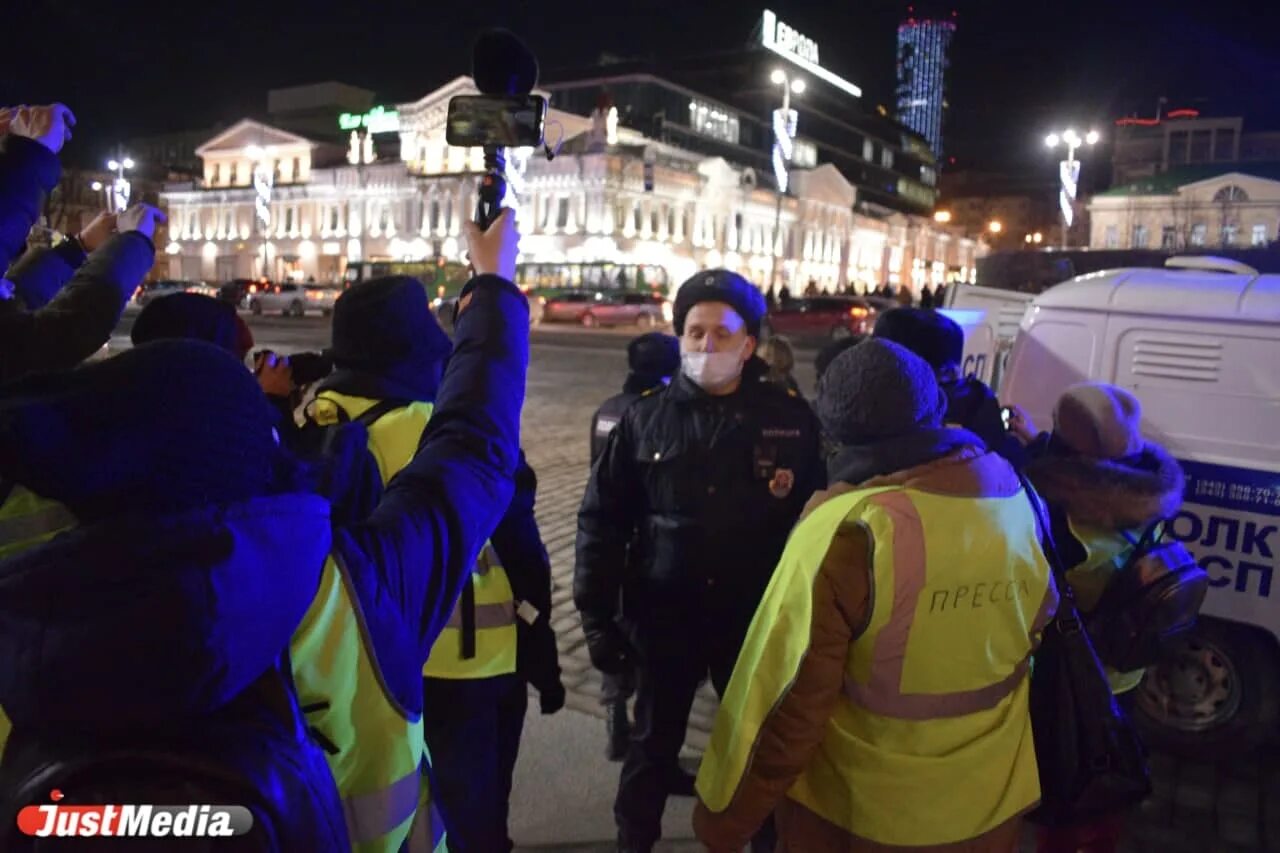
x=28 y=172
x=144 y=619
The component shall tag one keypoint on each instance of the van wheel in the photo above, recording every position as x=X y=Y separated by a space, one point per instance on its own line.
x=1216 y=695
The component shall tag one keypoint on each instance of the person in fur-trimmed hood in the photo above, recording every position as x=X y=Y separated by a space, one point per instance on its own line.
x=1105 y=485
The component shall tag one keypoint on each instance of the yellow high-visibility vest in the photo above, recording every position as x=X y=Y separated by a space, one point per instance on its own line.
x=489 y=647
x=375 y=748
x=1105 y=553
x=27 y=520
x=931 y=742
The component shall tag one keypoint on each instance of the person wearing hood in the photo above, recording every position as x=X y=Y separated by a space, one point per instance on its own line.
x=700 y=483
x=199 y=560
x=193 y=316
x=881 y=699
x=939 y=340
x=1106 y=487
x=652 y=359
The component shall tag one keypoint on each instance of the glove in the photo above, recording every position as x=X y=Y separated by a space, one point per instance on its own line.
x=551 y=699
x=610 y=652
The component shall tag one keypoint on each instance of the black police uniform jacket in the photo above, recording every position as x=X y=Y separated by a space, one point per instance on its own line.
x=704 y=491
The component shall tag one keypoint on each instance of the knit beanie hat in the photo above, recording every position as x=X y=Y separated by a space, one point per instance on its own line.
x=193 y=316
x=934 y=337
x=385 y=327
x=721 y=286
x=166 y=426
x=1099 y=420
x=655 y=355
x=878 y=390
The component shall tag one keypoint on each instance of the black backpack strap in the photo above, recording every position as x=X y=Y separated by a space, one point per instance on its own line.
x=374 y=413
x=467 y=606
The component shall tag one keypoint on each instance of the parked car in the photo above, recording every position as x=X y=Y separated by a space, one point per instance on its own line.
x=645 y=310
x=568 y=307
x=151 y=290
x=292 y=299
x=832 y=317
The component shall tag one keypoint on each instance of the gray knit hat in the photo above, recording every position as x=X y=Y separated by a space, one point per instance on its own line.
x=878 y=390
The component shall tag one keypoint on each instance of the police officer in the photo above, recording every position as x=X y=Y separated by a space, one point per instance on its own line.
x=652 y=360
x=703 y=479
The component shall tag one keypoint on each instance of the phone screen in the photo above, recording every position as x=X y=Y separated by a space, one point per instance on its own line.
x=1005 y=413
x=504 y=121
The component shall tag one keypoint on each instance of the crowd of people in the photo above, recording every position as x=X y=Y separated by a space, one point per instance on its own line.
x=317 y=588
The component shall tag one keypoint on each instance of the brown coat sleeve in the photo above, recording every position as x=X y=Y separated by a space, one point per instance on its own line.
x=797 y=725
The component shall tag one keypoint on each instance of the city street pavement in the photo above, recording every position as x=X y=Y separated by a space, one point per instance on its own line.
x=564 y=787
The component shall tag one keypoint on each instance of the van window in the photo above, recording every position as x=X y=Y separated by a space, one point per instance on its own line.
x=1208 y=393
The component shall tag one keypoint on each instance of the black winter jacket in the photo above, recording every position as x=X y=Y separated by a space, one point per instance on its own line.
x=971 y=405
x=518 y=543
x=684 y=482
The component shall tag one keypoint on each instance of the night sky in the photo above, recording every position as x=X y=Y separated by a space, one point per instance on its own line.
x=1018 y=69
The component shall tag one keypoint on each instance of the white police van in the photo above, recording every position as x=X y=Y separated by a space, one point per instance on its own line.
x=1198 y=342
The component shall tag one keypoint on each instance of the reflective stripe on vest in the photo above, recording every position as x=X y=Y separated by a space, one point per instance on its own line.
x=27 y=520
x=882 y=693
x=494 y=649
x=932 y=743
x=374 y=747
x=427 y=835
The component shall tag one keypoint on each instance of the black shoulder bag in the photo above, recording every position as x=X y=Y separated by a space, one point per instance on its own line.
x=1092 y=762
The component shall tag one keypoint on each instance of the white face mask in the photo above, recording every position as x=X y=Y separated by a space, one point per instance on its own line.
x=712 y=369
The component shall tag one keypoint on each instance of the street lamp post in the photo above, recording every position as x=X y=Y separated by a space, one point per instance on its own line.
x=263 y=180
x=118 y=196
x=1069 y=174
x=784 y=133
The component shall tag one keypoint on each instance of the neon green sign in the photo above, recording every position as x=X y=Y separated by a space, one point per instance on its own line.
x=377 y=120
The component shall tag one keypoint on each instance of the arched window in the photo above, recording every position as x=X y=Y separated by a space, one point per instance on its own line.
x=1230 y=193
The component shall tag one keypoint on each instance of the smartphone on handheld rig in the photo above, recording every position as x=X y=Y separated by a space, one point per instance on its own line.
x=504 y=115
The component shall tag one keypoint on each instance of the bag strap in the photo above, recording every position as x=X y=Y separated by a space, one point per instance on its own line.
x=374 y=413
x=468 y=607
x=1067 y=618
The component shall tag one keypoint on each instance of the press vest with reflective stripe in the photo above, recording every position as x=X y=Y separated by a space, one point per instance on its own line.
x=490 y=649
x=932 y=741
x=375 y=747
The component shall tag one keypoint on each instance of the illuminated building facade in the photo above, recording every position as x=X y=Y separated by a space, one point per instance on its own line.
x=923 y=44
